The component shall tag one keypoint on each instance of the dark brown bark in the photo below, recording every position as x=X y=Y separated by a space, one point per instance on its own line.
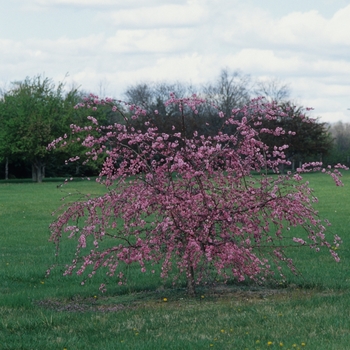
x=191 y=288
x=37 y=171
x=6 y=168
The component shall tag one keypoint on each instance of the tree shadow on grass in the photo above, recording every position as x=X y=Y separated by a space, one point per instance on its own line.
x=175 y=297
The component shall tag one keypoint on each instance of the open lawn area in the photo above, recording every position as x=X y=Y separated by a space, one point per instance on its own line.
x=309 y=311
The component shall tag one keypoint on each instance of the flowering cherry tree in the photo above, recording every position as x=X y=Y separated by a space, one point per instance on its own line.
x=193 y=203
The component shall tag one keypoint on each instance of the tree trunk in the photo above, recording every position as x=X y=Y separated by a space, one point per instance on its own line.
x=37 y=171
x=39 y=177
x=77 y=168
x=34 y=174
x=6 y=168
x=191 y=288
x=281 y=168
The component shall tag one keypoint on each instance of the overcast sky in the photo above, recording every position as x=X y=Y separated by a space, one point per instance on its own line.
x=107 y=45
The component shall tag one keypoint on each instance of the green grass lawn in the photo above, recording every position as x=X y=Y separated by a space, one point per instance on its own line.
x=311 y=311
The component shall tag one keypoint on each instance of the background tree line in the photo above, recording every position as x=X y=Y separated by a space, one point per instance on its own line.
x=35 y=111
x=340 y=150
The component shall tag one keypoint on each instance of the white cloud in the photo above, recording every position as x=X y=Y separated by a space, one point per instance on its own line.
x=125 y=42
x=75 y=2
x=100 y=3
x=183 y=68
x=255 y=60
x=155 y=40
x=168 y=15
x=340 y=68
x=339 y=27
x=308 y=31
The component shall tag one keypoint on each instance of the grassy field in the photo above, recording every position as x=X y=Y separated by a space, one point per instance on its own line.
x=311 y=311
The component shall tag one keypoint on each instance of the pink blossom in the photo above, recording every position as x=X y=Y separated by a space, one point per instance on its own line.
x=190 y=204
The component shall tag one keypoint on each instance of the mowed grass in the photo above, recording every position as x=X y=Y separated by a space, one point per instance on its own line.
x=310 y=311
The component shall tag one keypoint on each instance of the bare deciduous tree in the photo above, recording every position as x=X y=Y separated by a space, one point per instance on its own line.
x=231 y=90
x=273 y=90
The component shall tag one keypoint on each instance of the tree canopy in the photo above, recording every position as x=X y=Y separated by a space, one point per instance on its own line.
x=340 y=152
x=307 y=139
x=190 y=202
x=32 y=112
x=35 y=111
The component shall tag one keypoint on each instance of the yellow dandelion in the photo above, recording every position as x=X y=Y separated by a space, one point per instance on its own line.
x=202 y=296
x=303 y=344
x=222 y=331
x=281 y=344
x=42 y=282
x=165 y=299
x=269 y=343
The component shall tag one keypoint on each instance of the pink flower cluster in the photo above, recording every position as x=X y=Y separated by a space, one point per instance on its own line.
x=190 y=204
